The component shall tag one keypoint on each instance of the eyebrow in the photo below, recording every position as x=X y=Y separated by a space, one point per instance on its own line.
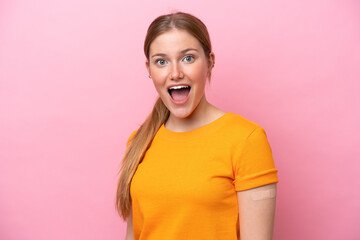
x=182 y=52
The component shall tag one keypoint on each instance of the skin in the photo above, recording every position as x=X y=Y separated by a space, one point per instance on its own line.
x=171 y=62
x=256 y=217
x=176 y=57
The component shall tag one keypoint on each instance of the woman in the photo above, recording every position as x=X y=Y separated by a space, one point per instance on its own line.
x=192 y=171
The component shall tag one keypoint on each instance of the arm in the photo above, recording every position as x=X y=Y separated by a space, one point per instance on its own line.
x=257 y=212
x=129 y=228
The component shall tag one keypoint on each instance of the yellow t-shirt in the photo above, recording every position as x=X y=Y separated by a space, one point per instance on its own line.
x=185 y=187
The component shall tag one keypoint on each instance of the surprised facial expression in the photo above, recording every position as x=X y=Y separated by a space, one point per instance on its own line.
x=179 y=69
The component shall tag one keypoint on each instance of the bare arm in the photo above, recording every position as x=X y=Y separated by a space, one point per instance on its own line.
x=129 y=228
x=257 y=212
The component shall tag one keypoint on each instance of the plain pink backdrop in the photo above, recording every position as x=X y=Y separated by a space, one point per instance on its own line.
x=73 y=86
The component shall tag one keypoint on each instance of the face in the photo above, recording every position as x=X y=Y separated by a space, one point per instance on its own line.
x=179 y=69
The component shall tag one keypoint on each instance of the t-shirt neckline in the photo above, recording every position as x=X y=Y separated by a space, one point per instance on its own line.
x=193 y=134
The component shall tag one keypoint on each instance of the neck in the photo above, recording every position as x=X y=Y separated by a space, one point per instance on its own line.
x=203 y=114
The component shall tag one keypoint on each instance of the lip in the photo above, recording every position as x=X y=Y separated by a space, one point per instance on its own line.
x=179 y=102
x=174 y=85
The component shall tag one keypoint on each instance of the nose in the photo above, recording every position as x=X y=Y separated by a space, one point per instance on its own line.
x=176 y=72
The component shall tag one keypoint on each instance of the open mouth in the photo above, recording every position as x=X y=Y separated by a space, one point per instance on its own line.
x=179 y=93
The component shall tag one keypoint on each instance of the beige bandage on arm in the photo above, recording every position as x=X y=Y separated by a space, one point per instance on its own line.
x=263 y=194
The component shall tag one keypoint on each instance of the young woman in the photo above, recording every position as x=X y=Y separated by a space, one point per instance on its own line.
x=192 y=171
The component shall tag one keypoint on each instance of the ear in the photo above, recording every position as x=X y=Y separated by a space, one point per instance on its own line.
x=211 y=64
x=211 y=60
x=147 y=66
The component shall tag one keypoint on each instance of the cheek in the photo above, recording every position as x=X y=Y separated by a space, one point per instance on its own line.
x=158 y=84
x=158 y=75
x=199 y=74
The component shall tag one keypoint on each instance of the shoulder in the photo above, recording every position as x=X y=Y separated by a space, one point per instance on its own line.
x=131 y=137
x=240 y=126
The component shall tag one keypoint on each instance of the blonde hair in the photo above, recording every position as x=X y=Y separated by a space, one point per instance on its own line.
x=143 y=137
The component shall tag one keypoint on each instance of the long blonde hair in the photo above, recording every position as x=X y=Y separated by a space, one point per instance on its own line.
x=143 y=137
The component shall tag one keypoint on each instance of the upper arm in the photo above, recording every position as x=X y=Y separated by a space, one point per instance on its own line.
x=253 y=163
x=257 y=212
x=129 y=228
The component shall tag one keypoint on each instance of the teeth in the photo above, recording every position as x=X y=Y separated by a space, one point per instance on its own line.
x=178 y=87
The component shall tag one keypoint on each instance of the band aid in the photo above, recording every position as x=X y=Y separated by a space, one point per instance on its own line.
x=263 y=194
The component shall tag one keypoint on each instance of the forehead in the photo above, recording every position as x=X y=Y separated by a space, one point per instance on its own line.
x=174 y=41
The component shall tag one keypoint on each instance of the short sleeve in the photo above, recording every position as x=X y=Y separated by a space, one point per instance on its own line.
x=130 y=138
x=253 y=164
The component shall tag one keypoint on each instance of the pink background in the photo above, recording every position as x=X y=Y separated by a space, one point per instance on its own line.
x=73 y=86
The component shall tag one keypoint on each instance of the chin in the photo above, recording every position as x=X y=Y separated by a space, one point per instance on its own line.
x=180 y=113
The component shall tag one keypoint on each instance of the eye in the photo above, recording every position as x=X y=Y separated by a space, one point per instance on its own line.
x=189 y=59
x=160 y=62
